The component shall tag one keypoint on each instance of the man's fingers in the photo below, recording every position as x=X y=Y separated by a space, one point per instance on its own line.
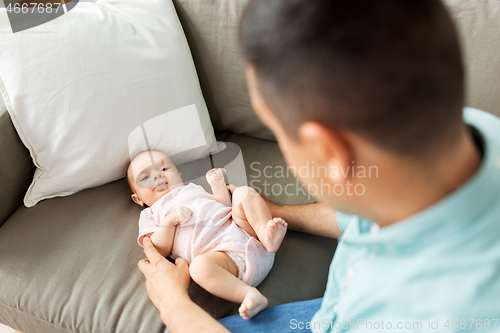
x=143 y=265
x=232 y=187
x=150 y=250
x=181 y=262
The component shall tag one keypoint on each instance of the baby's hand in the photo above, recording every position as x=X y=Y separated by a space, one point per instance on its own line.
x=215 y=177
x=180 y=214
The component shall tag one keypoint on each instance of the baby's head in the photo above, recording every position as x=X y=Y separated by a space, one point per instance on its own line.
x=151 y=175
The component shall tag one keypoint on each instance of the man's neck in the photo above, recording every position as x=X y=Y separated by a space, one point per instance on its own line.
x=408 y=187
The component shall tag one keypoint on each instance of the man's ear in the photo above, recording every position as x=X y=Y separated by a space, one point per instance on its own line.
x=137 y=200
x=180 y=174
x=328 y=146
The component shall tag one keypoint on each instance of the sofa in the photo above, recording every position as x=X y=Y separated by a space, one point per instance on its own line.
x=69 y=264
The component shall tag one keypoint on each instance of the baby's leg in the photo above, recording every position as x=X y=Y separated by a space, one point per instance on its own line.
x=250 y=210
x=216 y=272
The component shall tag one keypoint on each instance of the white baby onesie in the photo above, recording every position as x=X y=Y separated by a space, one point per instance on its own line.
x=210 y=228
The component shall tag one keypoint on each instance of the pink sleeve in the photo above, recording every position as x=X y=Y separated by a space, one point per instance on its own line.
x=147 y=225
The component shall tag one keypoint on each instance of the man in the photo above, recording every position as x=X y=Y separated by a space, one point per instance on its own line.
x=371 y=83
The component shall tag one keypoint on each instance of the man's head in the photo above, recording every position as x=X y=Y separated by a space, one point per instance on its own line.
x=337 y=73
x=388 y=70
x=151 y=175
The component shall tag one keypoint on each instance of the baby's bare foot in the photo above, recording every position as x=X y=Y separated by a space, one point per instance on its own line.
x=216 y=177
x=253 y=303
x=272 y=235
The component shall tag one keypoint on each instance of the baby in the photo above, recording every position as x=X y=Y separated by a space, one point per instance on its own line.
x=230 y=247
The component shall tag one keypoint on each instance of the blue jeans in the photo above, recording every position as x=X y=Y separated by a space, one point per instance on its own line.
x=279 y=318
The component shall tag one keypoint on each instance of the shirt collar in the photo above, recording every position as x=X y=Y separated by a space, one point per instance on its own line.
x=451 y=214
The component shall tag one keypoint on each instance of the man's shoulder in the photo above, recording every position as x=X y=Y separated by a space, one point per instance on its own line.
x=486 y=123
x=437 y=285
x=344 y=220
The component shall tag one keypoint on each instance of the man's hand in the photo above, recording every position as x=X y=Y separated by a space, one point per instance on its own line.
x=180 y=214
x=165 y=282
x=316 y=219
x=167 y=285
x=273 y=208
x=231 y=188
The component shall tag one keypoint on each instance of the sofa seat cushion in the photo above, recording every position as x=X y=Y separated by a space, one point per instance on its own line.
x=70 y=264
x=73 y=262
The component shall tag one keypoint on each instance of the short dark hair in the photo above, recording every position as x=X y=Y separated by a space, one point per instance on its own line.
x=388 y=70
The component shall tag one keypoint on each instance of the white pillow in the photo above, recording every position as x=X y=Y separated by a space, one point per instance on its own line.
x=76 y=88
x=167 y=133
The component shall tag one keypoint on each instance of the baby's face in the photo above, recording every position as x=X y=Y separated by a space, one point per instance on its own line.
x=152 y=175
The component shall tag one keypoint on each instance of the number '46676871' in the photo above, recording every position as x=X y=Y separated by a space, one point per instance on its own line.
x=33 y=7
x=477 y=324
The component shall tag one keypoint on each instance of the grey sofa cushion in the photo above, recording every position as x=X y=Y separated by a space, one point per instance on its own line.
x=267 y=170
x=210 y=27
x=16 y=168
x=70 y=264
x=478 y=24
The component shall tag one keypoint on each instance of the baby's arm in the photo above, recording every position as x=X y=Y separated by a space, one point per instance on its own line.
x=215 y=178
x=163 y=237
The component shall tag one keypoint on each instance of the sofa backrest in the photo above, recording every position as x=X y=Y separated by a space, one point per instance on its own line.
x=16 y=167
x=211 y=29
x=478 y=24
x=211 y=26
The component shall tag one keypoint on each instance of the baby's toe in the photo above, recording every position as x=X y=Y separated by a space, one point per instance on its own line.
x=243 y=311
x=279 y=220
x=271 y=224
x=220 y=173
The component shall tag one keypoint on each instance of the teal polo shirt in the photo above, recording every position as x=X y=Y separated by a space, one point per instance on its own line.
x=435 y=271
